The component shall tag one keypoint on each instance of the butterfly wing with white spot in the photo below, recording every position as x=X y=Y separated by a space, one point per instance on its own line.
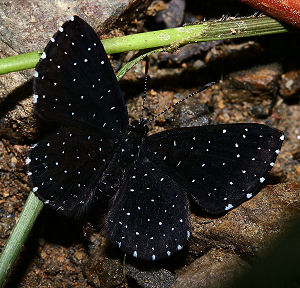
x=74 y=81
x=220 y=166
x=68 y=176
x=149 y=218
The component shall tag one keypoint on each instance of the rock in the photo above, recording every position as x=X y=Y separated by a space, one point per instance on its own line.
x=186 y=52
x=172 y=16
x=101 y=271
x=251 y=226
x=290 y=85
x=153 y=278
x=232 y=54
x=215 y=269
x=191 y=113
x=27 y=26
x=278 y=266
x=252 y=85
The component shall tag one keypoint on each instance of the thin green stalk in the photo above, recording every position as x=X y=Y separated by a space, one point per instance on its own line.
x=19 y=235
x=134 y=61
x=207 y=31
x=19 y=62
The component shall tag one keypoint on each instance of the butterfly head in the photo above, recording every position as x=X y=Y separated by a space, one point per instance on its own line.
x=139 y=127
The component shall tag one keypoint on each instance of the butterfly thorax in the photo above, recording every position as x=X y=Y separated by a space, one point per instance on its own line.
x=139 y=127
x=131 y=142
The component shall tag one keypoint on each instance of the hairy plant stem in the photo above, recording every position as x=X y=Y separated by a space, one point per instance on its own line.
x=171 y=38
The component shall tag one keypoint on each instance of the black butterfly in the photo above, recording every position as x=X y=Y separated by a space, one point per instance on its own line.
x=96 y=156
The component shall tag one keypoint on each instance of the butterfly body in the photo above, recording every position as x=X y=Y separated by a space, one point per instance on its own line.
x=97 y=159
x=125 y=153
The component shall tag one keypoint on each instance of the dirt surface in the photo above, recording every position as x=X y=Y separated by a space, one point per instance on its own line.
x=257 y=80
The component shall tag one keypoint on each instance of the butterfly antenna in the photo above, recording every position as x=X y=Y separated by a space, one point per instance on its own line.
x=145 y=87
x=187 y=97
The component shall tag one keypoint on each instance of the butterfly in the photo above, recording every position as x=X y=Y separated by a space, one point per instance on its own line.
x=96 y=158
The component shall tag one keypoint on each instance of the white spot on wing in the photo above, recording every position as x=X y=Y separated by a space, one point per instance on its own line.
x=35 y=97
x=262 y=179
x=229 y=206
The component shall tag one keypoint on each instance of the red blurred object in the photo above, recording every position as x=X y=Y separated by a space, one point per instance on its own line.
x=285 y=10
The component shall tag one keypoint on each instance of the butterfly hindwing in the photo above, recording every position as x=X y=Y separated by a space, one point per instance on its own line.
x=66 y=175
x=74 y=81
x=220 y=166
x=149 y=218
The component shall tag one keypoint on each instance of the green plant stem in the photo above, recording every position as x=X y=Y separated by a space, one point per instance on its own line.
x=19 y=235
x=19 y=62
x=207 y=31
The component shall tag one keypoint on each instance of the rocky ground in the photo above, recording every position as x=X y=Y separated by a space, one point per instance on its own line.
x=258 y=80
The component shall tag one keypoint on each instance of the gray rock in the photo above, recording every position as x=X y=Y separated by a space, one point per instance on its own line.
x=160 y=278
x=215 y=269
x=27 y=26
x=173 y=15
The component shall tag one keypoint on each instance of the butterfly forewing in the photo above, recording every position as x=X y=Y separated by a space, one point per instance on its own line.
x=75 y=86
x=149 y=218
x=74 y=81
x=220 y=166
